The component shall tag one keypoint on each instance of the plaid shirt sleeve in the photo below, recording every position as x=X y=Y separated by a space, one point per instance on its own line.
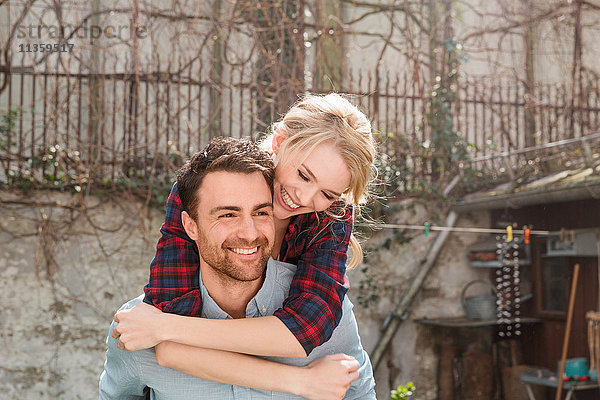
x=318 y=245
x=173 y=285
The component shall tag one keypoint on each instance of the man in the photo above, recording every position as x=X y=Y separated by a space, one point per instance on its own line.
x=229 y=187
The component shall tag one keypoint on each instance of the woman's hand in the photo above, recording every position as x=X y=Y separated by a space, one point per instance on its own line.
x=329 y=378
x=138 y=328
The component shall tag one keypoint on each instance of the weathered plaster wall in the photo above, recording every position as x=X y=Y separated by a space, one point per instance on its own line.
x=412 y=355
x=63 y=276
x=54 y=315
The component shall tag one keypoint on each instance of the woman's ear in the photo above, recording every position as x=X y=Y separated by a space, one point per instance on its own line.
x=189 y=225
x=278 y=138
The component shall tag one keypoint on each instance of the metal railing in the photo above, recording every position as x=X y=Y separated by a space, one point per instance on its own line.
x=139 y=125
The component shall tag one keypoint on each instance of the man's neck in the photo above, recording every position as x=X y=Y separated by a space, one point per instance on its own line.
x=231 y=295
x=281 y=226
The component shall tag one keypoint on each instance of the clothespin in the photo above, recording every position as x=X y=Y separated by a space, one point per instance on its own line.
x=509 y=234
x=426 y=229
x=527 y=233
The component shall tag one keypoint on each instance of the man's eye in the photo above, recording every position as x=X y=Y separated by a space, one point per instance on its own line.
x=262 y=213
x=228 y=215
x=304 y=177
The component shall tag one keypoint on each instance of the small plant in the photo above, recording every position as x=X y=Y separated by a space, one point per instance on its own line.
x=7 y=125
x=403 y=392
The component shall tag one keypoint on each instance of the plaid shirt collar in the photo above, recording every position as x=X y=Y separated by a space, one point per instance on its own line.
x=304 y=227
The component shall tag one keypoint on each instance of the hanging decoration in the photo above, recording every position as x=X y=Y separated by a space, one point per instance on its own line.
x=508 y=284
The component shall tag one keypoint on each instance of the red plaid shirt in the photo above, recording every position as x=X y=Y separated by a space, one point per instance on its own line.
x=315 y=243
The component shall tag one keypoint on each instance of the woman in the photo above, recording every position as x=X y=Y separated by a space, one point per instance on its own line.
x=323 y=151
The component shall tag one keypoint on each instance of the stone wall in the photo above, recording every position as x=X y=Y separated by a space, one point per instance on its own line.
x=63 y=273
x=65 y=269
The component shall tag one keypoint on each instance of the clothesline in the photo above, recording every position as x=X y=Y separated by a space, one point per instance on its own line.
x=453 y=229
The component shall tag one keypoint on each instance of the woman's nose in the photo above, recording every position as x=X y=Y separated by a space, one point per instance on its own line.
x=307 y=196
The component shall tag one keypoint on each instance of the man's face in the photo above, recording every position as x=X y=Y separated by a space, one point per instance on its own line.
x=235 y=231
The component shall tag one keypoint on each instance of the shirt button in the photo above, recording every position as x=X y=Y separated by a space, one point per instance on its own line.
x=264 y=309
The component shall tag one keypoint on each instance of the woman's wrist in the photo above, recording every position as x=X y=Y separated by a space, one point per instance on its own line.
x=294 y=381
x=164 y=327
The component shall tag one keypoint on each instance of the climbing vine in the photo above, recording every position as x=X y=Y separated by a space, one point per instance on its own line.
x=448 y=148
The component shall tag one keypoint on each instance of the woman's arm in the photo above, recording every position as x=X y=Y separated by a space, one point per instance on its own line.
x=174 y=280
x=313 y=308
x=327 y=378
x=173 y=288
x=307 y=319
x=145 y=326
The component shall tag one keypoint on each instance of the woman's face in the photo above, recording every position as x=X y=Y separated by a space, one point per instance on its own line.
x=311 y=186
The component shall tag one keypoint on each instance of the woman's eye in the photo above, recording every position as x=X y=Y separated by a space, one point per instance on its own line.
x=304 y=177
x=328 y=197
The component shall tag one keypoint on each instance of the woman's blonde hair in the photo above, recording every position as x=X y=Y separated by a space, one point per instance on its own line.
x=331 y=118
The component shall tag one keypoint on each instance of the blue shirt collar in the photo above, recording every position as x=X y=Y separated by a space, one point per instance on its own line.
x=259 y=306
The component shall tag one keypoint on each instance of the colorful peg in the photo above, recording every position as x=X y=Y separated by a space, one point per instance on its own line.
x=509 y=234
x=426 y=229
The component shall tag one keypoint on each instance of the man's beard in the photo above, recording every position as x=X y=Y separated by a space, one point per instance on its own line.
x=219 y=258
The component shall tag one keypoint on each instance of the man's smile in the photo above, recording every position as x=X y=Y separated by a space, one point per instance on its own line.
x=245 y=251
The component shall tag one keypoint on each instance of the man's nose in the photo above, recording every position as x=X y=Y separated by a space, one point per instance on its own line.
x=247 y=229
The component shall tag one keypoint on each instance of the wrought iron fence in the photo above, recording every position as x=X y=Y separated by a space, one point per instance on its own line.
x=493 y=116
x=110 y=126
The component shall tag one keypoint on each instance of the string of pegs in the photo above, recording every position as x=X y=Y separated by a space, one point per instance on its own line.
x=566 y=235
x=526 y=234
x=428 y=227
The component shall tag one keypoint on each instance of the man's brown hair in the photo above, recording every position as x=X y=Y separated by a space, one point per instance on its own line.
x=221 y=154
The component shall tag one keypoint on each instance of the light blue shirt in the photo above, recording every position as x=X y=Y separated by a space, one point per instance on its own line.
x=127 y=375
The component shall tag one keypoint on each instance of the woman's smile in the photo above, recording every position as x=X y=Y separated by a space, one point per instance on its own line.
x=287 y=200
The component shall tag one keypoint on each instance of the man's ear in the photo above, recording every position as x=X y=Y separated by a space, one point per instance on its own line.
x=278 y=138
x=189 y=225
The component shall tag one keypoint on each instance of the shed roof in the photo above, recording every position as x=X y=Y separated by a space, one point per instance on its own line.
x=567 y=185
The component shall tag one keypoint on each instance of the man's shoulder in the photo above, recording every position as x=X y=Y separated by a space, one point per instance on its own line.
x=132 y=303
x=110 y=341
x=283 y=272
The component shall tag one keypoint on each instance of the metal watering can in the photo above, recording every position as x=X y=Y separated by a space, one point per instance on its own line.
x=482 y=306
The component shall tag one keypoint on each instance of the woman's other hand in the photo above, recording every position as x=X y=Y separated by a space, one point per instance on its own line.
x=138 y=328
x=329 y=378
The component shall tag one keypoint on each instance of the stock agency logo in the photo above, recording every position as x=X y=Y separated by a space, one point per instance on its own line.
x=84 y=31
